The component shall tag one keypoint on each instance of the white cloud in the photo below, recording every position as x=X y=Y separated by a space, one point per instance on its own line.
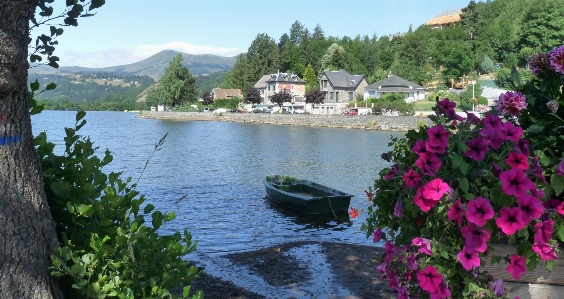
x=120 y=56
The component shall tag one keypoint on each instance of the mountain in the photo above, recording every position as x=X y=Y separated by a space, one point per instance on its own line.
x=153 y=66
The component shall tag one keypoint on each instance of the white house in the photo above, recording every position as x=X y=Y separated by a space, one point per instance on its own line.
x=395 y=85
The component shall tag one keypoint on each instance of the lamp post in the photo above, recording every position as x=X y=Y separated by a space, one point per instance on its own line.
x=473 y=82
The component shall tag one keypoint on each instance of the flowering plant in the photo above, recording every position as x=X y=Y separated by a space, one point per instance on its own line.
x=465 y=182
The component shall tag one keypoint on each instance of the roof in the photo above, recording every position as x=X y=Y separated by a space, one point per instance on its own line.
x=342 y=79
x=446 y=17
x=394 y=84
x=261 y=83
x=284 y=77
x=220 y=93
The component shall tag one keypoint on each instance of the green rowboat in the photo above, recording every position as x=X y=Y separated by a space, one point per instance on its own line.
x=306 y=196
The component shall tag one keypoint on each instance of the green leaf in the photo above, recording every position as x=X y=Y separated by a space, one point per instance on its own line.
x=561 y=232
x=157 y=219
x=34 y=85
x=557 y=183
x=51 y=86
x=463 y=184
x=496 y=259
x=80 y=115
x=148 y=208
x=170 y=216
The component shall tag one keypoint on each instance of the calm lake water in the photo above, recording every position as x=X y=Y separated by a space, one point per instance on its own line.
x=220 y=167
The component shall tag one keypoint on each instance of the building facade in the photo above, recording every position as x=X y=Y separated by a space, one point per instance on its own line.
x=339 y=88
x=395 y=85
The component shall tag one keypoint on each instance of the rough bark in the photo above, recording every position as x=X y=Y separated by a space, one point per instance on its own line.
x=27 y=230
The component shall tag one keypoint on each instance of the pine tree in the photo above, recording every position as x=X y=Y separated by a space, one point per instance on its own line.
x=177 y=85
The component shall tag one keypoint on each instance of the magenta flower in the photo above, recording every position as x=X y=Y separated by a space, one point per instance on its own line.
x=516 y=160
x=479 y=211
x=411 y=179
x=560 y=168
x=510 y=103
x=392 y=173
x=475 y=237
x=390 y=250
x=435 y=189
x=383 y=269
x=556 y=59
x=411 y=261
x=420 y=147
x=552 y=106
x=423 y=244
x=536 y=170
x=468 y=258
x=422 y=202
x=428 y=163
x=493 y=137
x=377 y=235
x=539 y=64
x=492 y=121
x=393 y=280
x=477 y=149
x=398 y=208
x=511 y=132
x=523 y=147
x=545 y=251
x=514 y=182
x=560 y=209
x=442 y=293
x=403 y=292
x=429 y=279
x=517 y=266
x=543 y=231
x=438 y=136
x=498 y=288
x=531 y=207
x=552 y=203
x=472 y=119
x=510 y=220
x=455 y=212
x=446 y=104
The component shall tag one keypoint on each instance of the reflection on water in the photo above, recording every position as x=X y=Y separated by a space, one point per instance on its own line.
x=219 y=167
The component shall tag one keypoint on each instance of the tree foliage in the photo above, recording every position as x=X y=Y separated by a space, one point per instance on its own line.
x=281 y=97
x=177 y=85
x=207 y=98
x=487 y=65
x=253 y=96
x=309 y=76
x=315 y=97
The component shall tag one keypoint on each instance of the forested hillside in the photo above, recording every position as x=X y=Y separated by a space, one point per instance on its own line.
x=502 y=32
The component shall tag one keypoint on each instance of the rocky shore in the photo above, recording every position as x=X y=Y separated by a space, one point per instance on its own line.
x=365 y=122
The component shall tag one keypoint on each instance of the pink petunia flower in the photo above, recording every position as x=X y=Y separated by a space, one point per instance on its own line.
x=479 y=211
x=552 y=203
x=468 y=258
x=428 y=163
x=411 y=261
x=560 y=168
x=472 y=119
x=531 y=207
x=514 y=182
x=403 y=292
x=492 y=121
x=494 y=137
x=392 y=173
x=536 y=170
x=523 y=147
x=420 y=147
x=383 y=269
x=475 y=237
x=556 y=59
x=510 y=220
x=517 y=266
x=516 y=160
x=438 y=136
x=545 y=251
x=390 y=251
x=435 y=189
x=456 y=212
x=510 y=103
x=393 y=280
x=543 y=231
x=411 y=179
x=560 y=209
x=377 y=235
x=429 y=279
x=423 y=244
x=442 y=293
x=477 y=149
x=422 y=202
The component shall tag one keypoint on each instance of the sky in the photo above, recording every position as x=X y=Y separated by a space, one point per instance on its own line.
x=128 y=31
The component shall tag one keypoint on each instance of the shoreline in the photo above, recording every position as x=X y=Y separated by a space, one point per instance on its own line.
x=364 y=122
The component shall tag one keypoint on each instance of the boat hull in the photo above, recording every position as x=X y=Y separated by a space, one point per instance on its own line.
x=306 y=196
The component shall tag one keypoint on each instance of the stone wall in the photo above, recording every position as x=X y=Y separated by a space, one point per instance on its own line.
x=367 y=122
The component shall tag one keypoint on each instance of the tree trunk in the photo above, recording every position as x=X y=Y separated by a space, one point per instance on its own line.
x=27 y=230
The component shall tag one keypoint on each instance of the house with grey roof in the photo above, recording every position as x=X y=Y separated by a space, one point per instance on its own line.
x=340 y=88
x=395 y=85
x=273 y=83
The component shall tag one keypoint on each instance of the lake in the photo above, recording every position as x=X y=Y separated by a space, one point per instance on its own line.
x=220 y=167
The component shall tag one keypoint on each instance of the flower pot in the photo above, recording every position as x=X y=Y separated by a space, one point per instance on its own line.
x=537 y=284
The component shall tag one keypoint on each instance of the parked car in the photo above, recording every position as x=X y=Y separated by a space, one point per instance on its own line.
x=220 y=110
x=205 y=109
x=299 y=111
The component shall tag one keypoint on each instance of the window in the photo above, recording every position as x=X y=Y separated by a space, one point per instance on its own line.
x=336 y=97
x=331 y=96
x=351 y=96
x=324 y=83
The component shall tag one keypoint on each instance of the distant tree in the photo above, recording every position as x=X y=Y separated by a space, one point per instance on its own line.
x=237 y=73
x=262 y=58
x=543 y=25
x=296 y=32
x=253 y=96
x=335 y=58
x=283 y=43
x=524 y=55
x=309 y=75
x=207 y=98
x=487 y=65
x=379 y=74
x=318 y=33
x=281 y=97
x=315 y=97
x=177 y=85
